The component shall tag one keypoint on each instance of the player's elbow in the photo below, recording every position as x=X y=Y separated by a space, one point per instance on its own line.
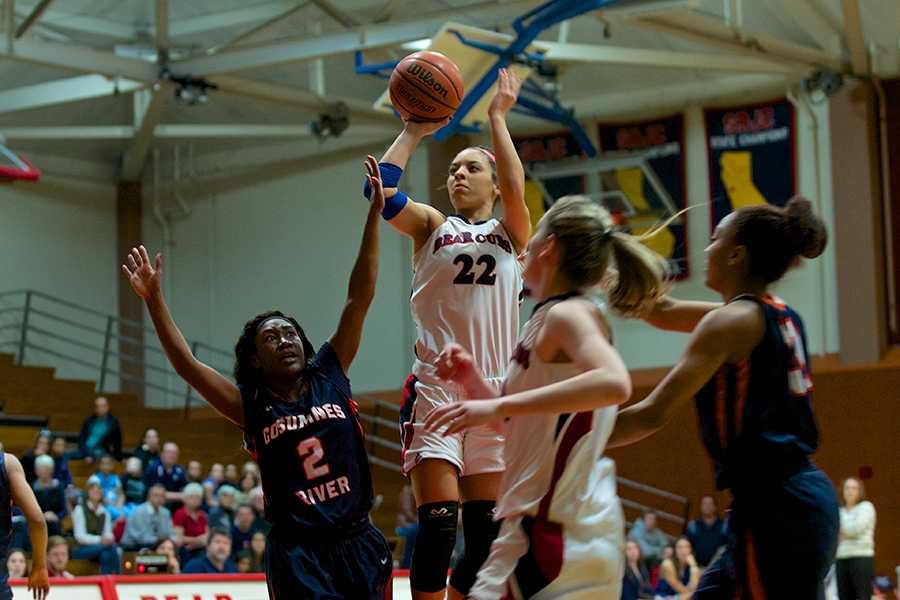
x=620 y=390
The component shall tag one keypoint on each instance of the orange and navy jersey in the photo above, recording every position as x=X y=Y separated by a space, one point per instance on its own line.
x=756 y=416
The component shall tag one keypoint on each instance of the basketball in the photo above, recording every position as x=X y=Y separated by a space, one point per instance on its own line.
x=426 y=86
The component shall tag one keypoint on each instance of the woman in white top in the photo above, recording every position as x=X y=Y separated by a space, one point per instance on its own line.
x=466 y=288
x=562 y=532
x=856 y=542
x=92 y=526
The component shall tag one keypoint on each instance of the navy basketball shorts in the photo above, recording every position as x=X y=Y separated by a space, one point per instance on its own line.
x=783 y=542
x=328 y=566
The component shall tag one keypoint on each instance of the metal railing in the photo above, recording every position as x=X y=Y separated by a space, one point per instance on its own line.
x=89 y=343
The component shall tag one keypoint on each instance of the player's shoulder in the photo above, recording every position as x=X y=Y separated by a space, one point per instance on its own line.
x=576 y=313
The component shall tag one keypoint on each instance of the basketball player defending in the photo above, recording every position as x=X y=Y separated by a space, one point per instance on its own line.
x=466 y=289
x=15 y=489
x=562 y=523
x=747 y=366
x=301 y=425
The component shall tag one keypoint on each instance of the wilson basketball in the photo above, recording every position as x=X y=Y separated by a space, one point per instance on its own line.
x=426 y=86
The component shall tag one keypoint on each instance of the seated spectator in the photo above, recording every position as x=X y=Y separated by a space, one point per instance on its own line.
x=149 y=522
x=19 y=537
x=243 y=529
x=215 y=478
x=636 y=584
x=41 y=446
x=244 y=562
x=231 y=476
x=407 y=524
x=100 y=433
x=258 y=552
x=249 y=481
x=258 y=502
x=167 y=472
x=93 y=531
x=50 y=494
x=191 y=524
x=16 y=564
x=148 y=449
x=58 y=557
x=216 y=558
x=679 y=575
x=109 y=481
x=58 y=451
x=250 y=467
x=650 y=538
x=708 y=533
x=194 y=471
x=166 y=547
x=133 y=488
x=221 y=516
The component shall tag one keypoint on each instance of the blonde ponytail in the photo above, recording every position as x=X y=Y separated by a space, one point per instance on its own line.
x=641 y=278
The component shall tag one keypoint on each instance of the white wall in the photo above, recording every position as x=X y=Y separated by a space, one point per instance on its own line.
x=60 y=240
x=289 y=244
x=810 y=289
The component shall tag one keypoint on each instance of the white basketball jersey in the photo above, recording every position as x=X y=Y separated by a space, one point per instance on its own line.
x=466 y=289
x=561 y=455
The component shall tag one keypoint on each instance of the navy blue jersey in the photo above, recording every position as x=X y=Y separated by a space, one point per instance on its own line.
x=311 y=453
x=6 y=504
x=756 y=417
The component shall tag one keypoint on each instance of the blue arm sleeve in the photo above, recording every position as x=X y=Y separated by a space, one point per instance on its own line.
x=390 y=177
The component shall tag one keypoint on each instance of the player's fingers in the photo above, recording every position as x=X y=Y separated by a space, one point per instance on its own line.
x=144 y=256
x=159 y=261
x=136 y=256
x=131 y=262
x=126 y=272
x=440 y=417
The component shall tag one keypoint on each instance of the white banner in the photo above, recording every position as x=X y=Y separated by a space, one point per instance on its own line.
x=193 y=590
x=58 y=591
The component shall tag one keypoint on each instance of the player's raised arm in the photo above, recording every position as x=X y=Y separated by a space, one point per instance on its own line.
x=410 y=218
x=713 y=342
x=510 y=173
x=145 y=277
x=23 y=496
x=361 y=289
x=672 y=314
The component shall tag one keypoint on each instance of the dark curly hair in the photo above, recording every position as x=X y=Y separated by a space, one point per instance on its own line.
x=245 y=375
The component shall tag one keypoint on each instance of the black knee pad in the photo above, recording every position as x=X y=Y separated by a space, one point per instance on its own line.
x=434 y=545
x=479 y=529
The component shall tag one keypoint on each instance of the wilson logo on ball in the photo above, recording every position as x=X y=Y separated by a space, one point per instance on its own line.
x=425 y=76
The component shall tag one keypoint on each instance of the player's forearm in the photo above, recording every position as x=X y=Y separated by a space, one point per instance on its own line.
x=635 y=423
x=478 y=388
x=170 y=337
x=365 y=271
x=671 y=314
x=590 y=390
x=402 y=148
x=37 y=533
x=510 y=179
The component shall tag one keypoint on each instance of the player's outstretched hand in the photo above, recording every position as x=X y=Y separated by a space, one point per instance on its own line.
x=459 y=416
x=142 y=274
x=455 y=364
x=423 y=129
x=508 y=86
x=39 y=583
x=373 y=176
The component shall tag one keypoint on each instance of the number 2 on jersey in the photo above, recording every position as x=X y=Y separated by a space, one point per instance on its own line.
x=467 y=277
x=310 y=450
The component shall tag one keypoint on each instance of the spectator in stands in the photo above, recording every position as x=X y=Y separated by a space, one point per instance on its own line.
x=215 y=478
x=679 y=575
x=243 y=529
x=407 y=524
x=61 y=471
x=258 y=502
x=216 y=558
x=167 y=472
x=231 y=476
x=133 y=488
x=636 y=583
x=222 y=515
x=883 y=589
x=92 y=525
x=258 y=552
x=650 y=538
x=191 y=524
x=166 y=547
x=109 y=481
x=249 y=480
x=100 y=433
x=41 y=446
x=856 y=542
x=194 y=472
x=19 y=537
x=50 y=494
x=244 y=562
x=58 y=557
x=149 y=522
x=708 y=533
x=148 y=449
x=16 y=564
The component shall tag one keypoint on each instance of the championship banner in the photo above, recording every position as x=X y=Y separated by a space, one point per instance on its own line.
x=751 y=157
x=644 y=192
x=542 y=149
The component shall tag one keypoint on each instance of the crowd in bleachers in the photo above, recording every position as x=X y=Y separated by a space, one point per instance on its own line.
x=140 y=501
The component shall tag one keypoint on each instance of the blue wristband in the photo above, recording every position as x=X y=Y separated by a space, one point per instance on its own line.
x=393 y=205
x=390 y=177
